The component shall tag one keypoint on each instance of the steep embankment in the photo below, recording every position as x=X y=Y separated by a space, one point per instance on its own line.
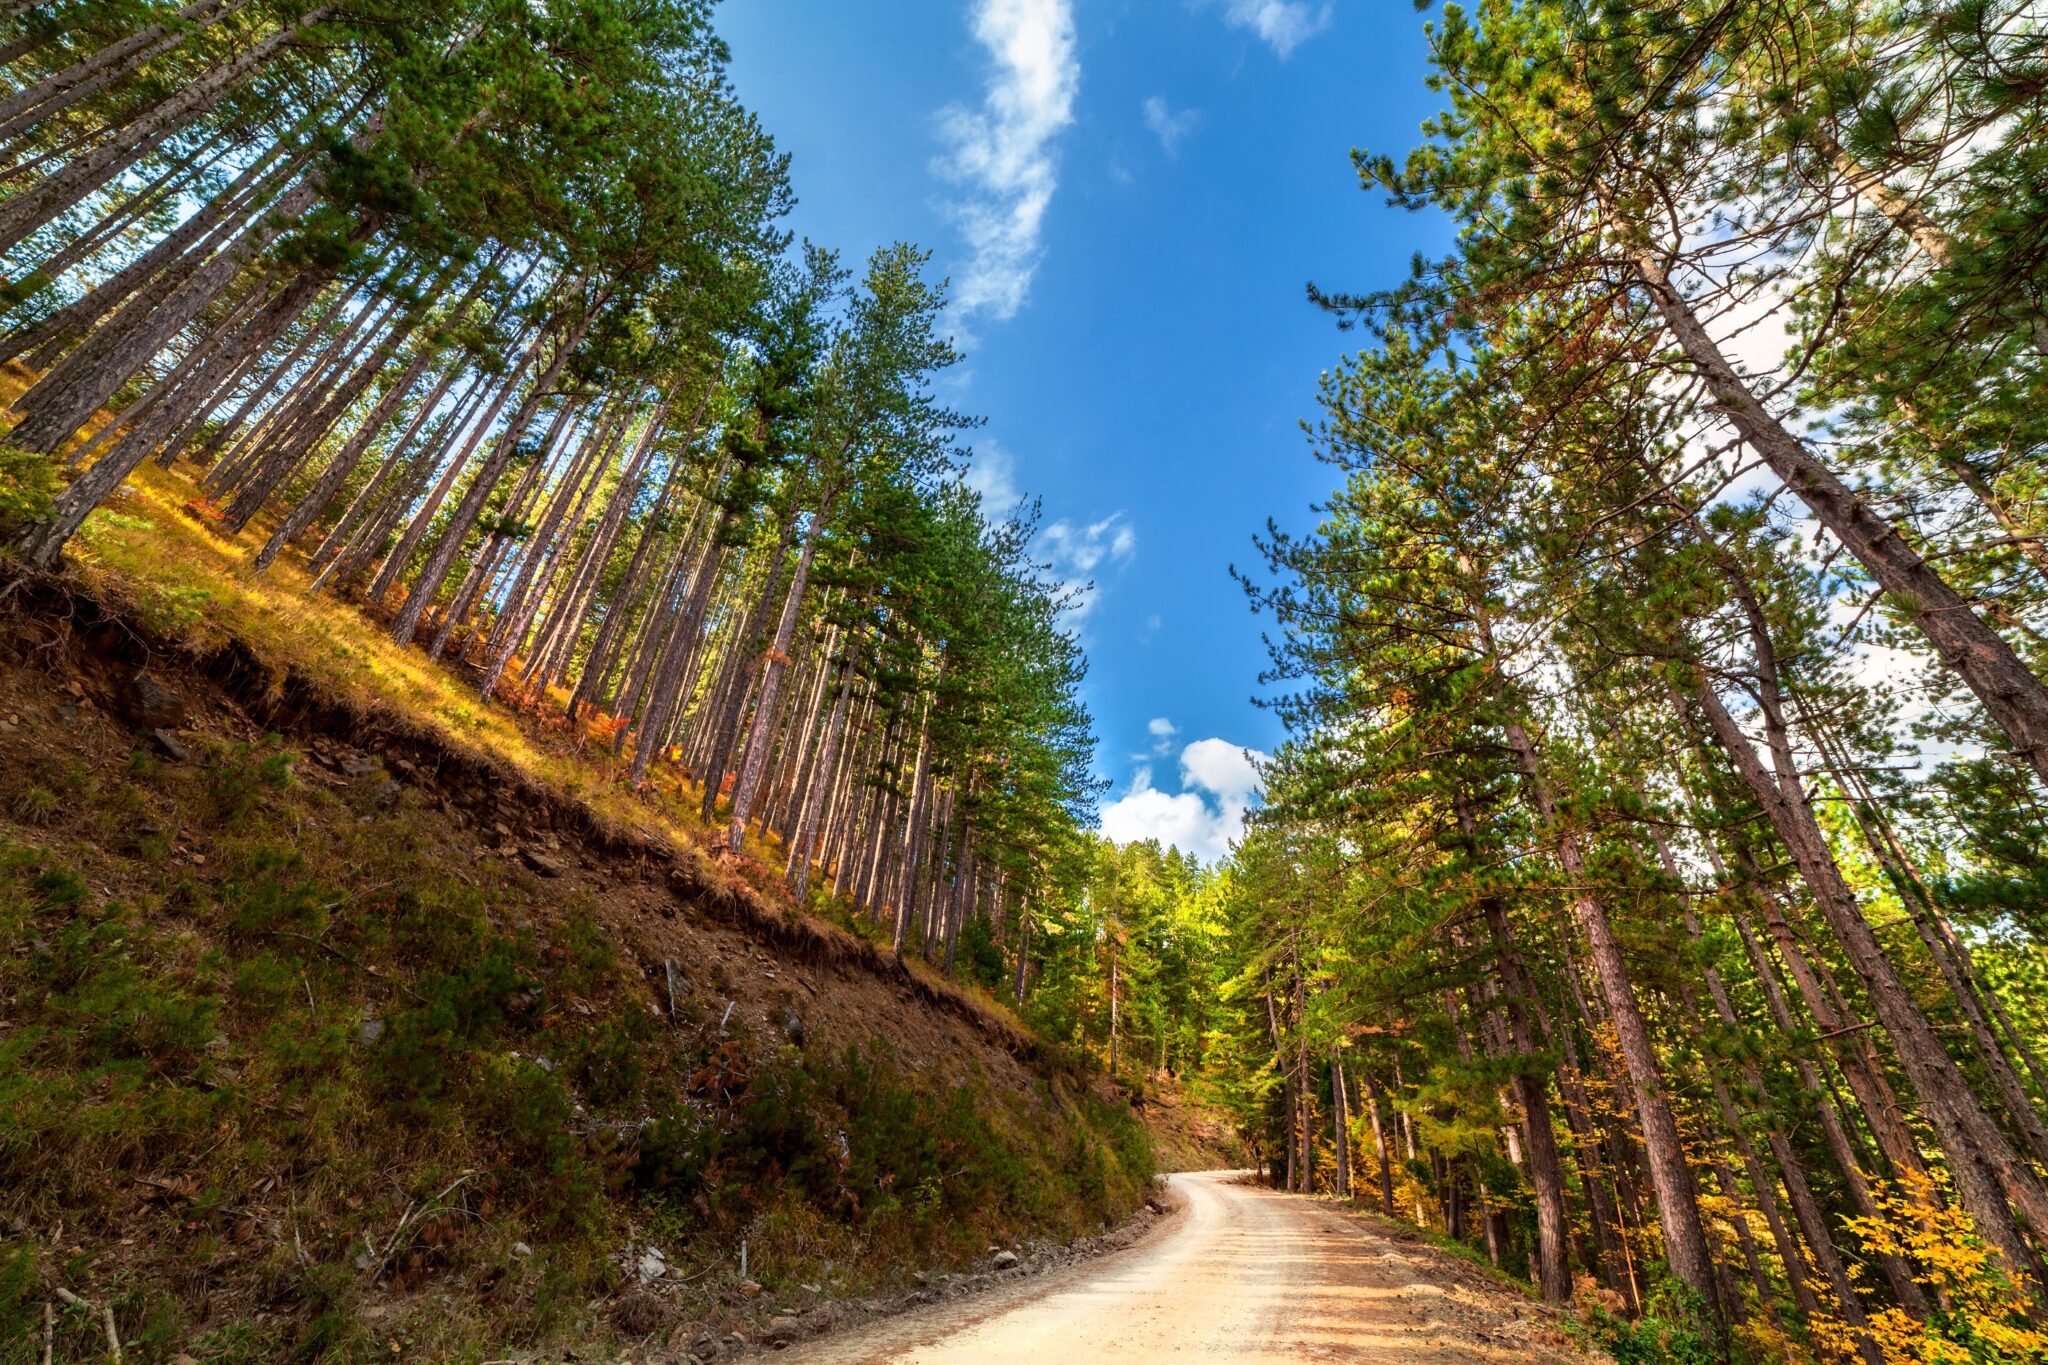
x=322 y=1034
x=1187 y=1133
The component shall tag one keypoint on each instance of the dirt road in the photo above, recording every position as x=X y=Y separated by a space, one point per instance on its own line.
x=1241 y=1274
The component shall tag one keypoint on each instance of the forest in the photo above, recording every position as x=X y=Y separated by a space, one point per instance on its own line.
x=1649 y=896
x=1649 y=899
x=488 y=316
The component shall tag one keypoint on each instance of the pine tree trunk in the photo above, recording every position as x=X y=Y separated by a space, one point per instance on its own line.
x=964 y=889
x=917 y=788
x=2012 y=696
x=1023 y=949
x=768 y=709
x=427 y=586
x=60 y=90
x=33 y=209
x=798 y=872
x=273 y=375
x=400 y=476
x=1950 y=957
x=175 y=184
x=1546 y=1169
x=728 y=711
x=522 y=600
x=1992 y=1179
x=302 y=513
x=70 y=392
x=668 y=642
x=45 y=541
x=1678 y=1209
x=305 y=420
x=1379 y=1143
x=1340 y=1124
x=1812 y=1225
x=591 y=688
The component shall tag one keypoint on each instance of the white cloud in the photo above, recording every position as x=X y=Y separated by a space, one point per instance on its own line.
x=1218 y=782
x=1073 y=554
x=993 y=474
x=1283 y=24
x=1002 y=153
x=1169 y=125
x=1229 y=770
x=1162 y=731
x=1075 y=551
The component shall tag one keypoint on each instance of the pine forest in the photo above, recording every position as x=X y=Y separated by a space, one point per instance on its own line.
x=1649 y=900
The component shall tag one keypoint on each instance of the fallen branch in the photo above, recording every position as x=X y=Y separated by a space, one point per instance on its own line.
x=669 y=964
x=412 y=1213
x=106 y=1317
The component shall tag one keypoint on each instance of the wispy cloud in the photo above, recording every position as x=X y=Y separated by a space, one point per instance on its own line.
x=1077 y=550
x=993 y=474
x=1282 y=24
x=1002 y=154
x=1171 y=126
x=1074 y=552
x=1162 y=731
x=1219 y=781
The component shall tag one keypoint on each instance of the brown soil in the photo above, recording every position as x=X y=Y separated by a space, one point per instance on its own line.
x=707 y=912
x=1187 y=1135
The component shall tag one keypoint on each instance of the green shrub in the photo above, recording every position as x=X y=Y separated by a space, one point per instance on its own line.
x=1671 y=1331
x=262 y=896
x=21 y=1294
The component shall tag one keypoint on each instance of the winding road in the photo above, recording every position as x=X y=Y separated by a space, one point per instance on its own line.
x=1242 y=1274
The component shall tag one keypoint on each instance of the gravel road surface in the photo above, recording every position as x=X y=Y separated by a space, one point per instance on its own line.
x=1240 y=1274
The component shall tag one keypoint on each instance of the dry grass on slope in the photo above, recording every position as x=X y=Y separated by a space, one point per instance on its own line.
x=151 y=560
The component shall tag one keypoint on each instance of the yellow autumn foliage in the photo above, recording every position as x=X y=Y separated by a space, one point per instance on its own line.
x=1980 y=1314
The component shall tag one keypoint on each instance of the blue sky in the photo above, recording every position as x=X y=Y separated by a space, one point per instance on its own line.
x=1128 y=196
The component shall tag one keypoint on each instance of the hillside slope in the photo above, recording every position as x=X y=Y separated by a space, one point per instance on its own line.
x=323 y=1035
